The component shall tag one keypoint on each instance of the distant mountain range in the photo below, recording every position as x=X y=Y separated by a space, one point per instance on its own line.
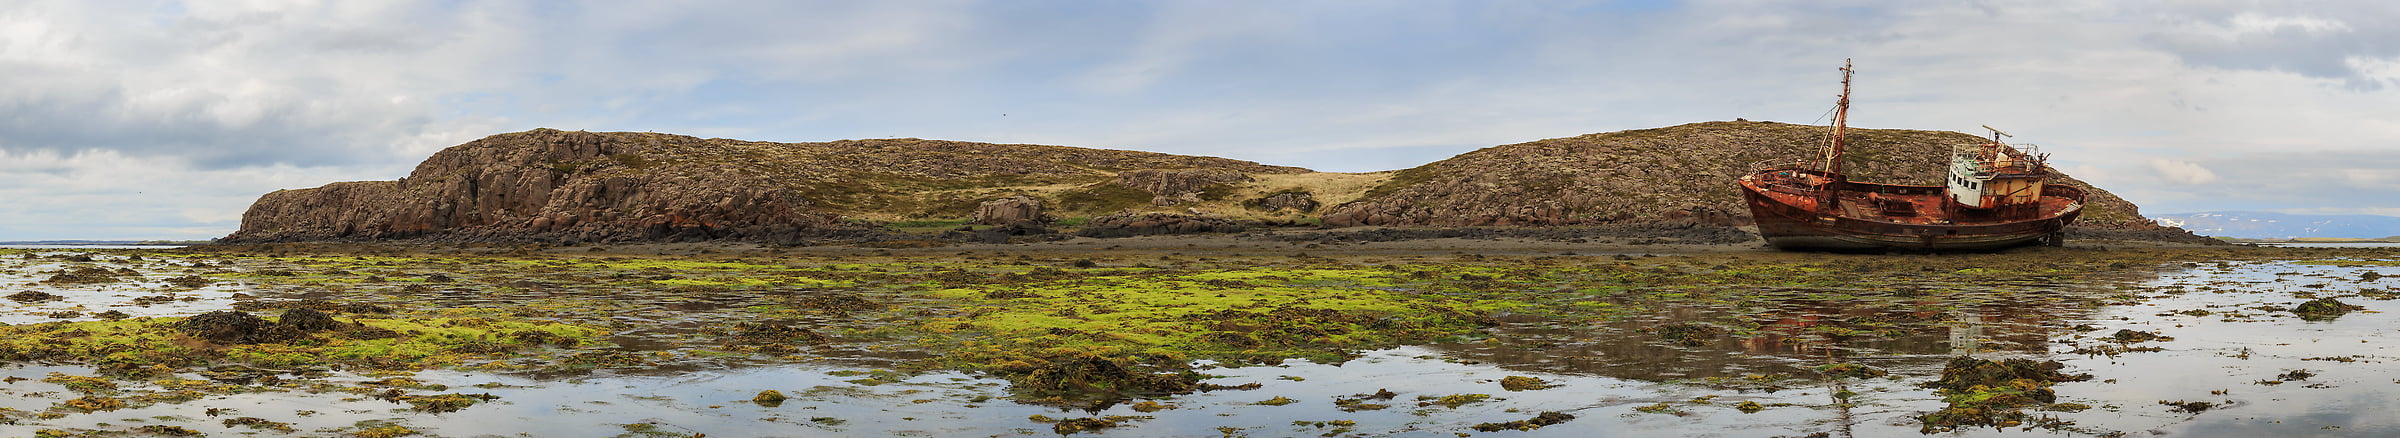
x=2269 y=225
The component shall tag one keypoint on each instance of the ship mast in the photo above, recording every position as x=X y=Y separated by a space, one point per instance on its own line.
x=1833 y=149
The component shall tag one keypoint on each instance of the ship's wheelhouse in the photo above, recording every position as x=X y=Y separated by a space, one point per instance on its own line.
x=1994 y=175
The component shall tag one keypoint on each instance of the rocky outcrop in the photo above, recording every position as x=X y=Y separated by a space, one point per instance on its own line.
x=1284 y=201
x=1010 y=210
x=547 y=185
x=1144 y=224
x=1677 y=173
x=1174 y=186
x=550 y=185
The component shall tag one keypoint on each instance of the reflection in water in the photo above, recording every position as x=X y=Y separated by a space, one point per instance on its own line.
x=1790 y=336
x=1967 y=333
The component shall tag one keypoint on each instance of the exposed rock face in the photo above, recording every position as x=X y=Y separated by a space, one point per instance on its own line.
x=1677 y=173
x=1173 y=186
x=1143 y=224
x=571 y=186
x=1301 y=202
x=1010 y=210
x=550 y=185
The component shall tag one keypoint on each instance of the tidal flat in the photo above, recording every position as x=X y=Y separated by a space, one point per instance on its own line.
x=1259 y=340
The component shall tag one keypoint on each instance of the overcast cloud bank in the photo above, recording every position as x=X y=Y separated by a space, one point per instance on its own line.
x=141 y=120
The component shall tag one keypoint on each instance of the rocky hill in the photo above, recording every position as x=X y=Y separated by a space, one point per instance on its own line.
x=1672 y=173
x=559 y=186
x=550 y=185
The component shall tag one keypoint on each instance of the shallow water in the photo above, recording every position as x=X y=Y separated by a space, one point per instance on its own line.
x=2247 y=339
x=145 y=294
x=1615 y=378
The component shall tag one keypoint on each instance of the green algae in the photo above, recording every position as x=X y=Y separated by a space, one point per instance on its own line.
x=151 y=346
x=83 y=384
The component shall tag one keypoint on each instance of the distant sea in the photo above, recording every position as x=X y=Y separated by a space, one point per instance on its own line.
x=2330 y=244
x=81 y=245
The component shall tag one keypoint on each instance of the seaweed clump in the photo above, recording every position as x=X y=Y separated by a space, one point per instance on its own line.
x=1094 y=381
x=2127 y=336
x=440 y=403
x=1987 y=393
x=768 y=398
x=34 y=296
x=260 y=424
x=1522 y=383
x=84 y=275
x=1073 y=426
x=2323 y=309
x=838 y=303
x=1848 y=370
x=1689 y=334
x=227 y=327
x=772 y=337
x=233 y=327
x=1545 y=419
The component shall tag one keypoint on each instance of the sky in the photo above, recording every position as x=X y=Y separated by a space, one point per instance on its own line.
x=165 y=119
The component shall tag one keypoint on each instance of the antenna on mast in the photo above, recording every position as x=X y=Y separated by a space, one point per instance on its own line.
x=1841 y=122
x=1831 y=189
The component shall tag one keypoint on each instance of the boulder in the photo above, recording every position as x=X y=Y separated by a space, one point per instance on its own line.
x=1290 y=200
x=1010 y=210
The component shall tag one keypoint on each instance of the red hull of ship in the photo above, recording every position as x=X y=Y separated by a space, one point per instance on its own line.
x=1791 y=219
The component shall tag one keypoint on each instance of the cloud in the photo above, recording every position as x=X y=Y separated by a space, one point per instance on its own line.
x=2182 y=172
x=254 y=96
x=223 y=84
x=2325 y=182
x=2320 y=41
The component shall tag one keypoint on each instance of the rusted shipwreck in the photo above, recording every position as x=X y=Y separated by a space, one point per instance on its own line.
x=1996 y=197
